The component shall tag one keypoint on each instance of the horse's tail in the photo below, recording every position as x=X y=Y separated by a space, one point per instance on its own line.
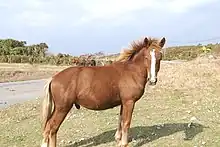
x=47 y=106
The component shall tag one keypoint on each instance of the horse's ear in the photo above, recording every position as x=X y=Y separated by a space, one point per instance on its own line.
x=162 y=42
x=146 y=41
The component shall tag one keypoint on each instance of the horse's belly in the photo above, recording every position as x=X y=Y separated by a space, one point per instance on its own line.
x=98 y=104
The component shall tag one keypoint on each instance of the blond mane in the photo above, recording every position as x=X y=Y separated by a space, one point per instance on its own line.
x=135 y=47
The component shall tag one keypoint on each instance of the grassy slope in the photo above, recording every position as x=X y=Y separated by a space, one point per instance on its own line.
x=184 y=91
x=189 y=52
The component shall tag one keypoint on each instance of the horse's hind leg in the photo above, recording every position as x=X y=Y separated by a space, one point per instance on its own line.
x=54 y=123
x=118 y=133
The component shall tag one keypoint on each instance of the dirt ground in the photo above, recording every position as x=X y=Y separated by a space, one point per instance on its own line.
x=20 y=72
x=182 y=110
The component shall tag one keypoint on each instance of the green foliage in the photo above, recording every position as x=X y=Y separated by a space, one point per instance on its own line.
x=206 y=49
x=190 y=52
x=14 y=51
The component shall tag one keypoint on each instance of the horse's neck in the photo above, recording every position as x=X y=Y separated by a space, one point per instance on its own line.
x=139 y=58
x=140 y=65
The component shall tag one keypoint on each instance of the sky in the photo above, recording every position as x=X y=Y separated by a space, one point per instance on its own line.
x=88 y=26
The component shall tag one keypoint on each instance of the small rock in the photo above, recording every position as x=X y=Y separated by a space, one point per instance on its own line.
x=82 y=139
x=77 y=130
x=153 y=133
x=189 y=125
x=148 y=139
x=69 y=141
x=193 y=118
x=158 y=127
x=133 y=140
x=195 y=102
x=184 y=117
x=166 y=107
x=209 y=110
x=188 y=111
x=62 y=141
x=211 y=57
x=203 y=143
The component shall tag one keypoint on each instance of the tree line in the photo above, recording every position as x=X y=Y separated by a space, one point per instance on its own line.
x=14 y=51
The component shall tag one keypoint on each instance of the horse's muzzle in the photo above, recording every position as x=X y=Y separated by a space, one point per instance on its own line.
x=152 y=83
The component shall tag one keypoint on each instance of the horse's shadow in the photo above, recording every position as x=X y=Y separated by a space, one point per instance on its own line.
x=144 y=134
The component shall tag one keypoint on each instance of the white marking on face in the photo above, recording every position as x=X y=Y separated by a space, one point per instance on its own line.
x=153 y=66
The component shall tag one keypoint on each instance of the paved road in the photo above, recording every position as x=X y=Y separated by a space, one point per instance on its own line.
x=18 y=92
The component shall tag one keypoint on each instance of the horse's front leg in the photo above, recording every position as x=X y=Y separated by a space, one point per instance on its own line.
x=128 y=107
x=118 y=133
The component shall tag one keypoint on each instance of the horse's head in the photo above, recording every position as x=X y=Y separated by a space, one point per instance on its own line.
x=149 y=50
x=153 y=56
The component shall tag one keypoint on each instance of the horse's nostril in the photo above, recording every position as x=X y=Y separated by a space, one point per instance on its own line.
x=152 y=83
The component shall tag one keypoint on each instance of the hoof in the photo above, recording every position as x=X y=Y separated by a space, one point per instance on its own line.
x=118 y=139
x=44 y=145
x=118 y=142
x=124 y=145
x=117 y=136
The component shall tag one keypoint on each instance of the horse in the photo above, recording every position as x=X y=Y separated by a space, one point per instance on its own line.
x=100 y=63
x=108 y=62
x=102 y=87
x=90 y=62
x=76 y=61
x=84 y=62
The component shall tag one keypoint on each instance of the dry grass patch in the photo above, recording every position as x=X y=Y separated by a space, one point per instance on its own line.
x=187 y=92
x=21 y=72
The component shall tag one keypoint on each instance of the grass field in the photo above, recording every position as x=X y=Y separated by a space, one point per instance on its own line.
x=20 y=72
x=182 y=110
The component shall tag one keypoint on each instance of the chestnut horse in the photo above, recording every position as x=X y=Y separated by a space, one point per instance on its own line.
x=102 y=87
x=84 y=62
